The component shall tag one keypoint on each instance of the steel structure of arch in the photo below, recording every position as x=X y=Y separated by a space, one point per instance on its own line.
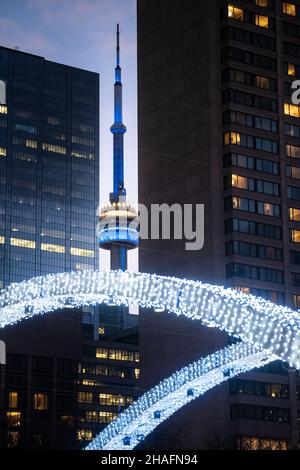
x=268 y=332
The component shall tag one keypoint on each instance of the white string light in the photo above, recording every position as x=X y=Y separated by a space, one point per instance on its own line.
x=158 y=404
x=252 y=319
x=269 y=332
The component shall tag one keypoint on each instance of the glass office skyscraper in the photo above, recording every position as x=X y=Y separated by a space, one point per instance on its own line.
x=49 y=161
x=65 y=373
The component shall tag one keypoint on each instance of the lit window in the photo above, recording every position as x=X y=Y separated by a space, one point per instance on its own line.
x=22 y=243
x=2 y=240
x=13 y=400
x=84 y=435
x=52 y=248
x=85 y=397
x=289 y=8
x=2 y=92
x=2 y=152
x=295 y=236
x=245 y=290
x=3 y=109
x=295 y=172
x=31 y=144
x=102 y=353
x=296 y=300
x=114 y=400
x=106 y=416
x=101 y=330
x=137 y=373
x=82 y=252
x=291 y=69
x=232 y=138
x=13 y=418
x=268 y=208
x=293 y=151
x=294 y=214
x=239 y=181
x=13 y=438
x=262 y=82
x=235 y=13
x=291 y=110
x=54 y=148
x=262 y=21
x=40 y=401
x=262 y=3
x=257 y=443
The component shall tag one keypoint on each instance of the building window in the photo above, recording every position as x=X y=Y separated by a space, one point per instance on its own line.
x=31 y=144
x=296 y=300
x=293 y=172
x=85 y=397
x=114 y=400
x=2 y=152
x=232 y=138
x=82 y=252
x=84 y=435
x=101 y=330
x=262 y=3
x=263 y=413
x=260 y=443
x=102 y=417
x=292 y=110
x=52 y=248
x=13 y=418
x=262 y=82
x=239 y=182
x=262 y=21
x=295 y=236
x=293 y=151
x=40 y=402
x=13 y=439
x=235 y=13
x=54 y=148
x=253 y=228
x=252 y=387
x=289 y=8
x=294 y=214
x=2 y=240
x=273 y=296
x=3 y=109
x=254 y=272
x=293 y=193
x=13 y=400
x=22 y=243
x=291 y=69
x=253 y=249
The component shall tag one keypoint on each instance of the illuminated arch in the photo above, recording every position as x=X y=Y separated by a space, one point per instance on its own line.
x=269 y=332
x=253 y=320
x=158 y=404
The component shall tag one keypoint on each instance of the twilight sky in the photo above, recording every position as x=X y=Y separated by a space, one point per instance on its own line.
x=81 y=33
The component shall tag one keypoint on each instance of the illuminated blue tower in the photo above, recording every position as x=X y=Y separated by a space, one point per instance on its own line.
x=118 y=231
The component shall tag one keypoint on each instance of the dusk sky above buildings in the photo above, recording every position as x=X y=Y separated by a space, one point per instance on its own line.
x=81 y=33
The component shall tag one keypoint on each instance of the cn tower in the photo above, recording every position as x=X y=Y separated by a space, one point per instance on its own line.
x=118 y=232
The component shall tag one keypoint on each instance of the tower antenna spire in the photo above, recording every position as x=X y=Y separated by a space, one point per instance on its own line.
x=118 y=45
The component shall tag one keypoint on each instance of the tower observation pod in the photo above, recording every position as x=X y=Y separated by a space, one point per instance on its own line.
x=118 y=219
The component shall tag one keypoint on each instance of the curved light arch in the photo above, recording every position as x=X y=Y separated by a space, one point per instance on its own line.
x=252 y=319
x=159 y=403
x=268 y=332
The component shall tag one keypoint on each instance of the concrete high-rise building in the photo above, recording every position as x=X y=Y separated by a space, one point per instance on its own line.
x=69 y=373
x=217 y=127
